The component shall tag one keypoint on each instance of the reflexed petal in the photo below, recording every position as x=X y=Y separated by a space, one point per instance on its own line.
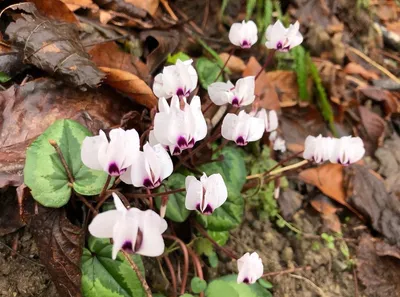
x=256 y=129
x=357 y=152
x=229 y=124
x=244 y=90
x=216 y=192
x=252 y=32
x=126 y=177
x=194 y=193
x=158 y=86
x=102 y=225
x=163 y=105
x=279 y=145
x=152 y=226
x=152 y=139
x=162 y=122
x=125 y=230
x=153 y=162
x=235 y=34
x=200 y=127
x=90 y=150
x=167 y=167
x=272 y=121
x=218 y=92
x=192 y=72
x=131 y=147
x=309 y=147
x=118 y=203
x=112 y=154
x=138 y=171
x=250 y=268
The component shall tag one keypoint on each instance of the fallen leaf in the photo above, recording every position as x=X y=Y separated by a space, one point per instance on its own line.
x=110 y=55
x=384 y=249
x=390 y=103
x=332 y=222
x=289 y=203
x=10 y=61
x=26 y=111
x=131 y=85
x=150 y=6
x=122 y=6
x=354 y=68
x=394 y=27
x=378 y=274
x=368 y=195
x=77 y=4
x=10 y=220
x=328 y=178
x=60 y=249
x=56 y=10
x=158 y=45
x=323 y=204
x=53 y=47
x=374 y=127
x=235 y=64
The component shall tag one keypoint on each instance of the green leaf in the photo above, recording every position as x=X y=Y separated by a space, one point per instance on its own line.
x=233 y=170
x=179 y=55
x=186 y=295
x=219 y=288
x=203 y=246
x=176 y=210
x=213 y=259
x=243 y=290
x=4 y=77
x=44 y=173
x=220 y=237
x=250 y=5
x=208 y=72
x=103 y=276
x=265 y=284
x=300 y=58
x=198 y=285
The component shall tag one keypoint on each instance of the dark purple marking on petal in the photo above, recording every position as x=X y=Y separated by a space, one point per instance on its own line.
x=180 y=92
x=235 y=102
x=245 y=44
x=182 y=142
x=148 y=183
x=246 y=281
x=191 y=143
x=207 y=211
x=177 y=151
x=127 y=246
x=139 y=240
x=241 y=141
x=113 y=169
x=279 y=45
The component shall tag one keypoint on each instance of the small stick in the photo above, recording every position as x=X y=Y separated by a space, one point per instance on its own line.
x=277 y=171
x=276 y=273
x=185 y=260
x=81 y=198
x=314 y=286
x=107 y=40
x=138 y=273
x=64 y=163
x=173 y=276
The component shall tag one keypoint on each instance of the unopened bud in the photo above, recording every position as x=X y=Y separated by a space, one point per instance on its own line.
x=163 y=208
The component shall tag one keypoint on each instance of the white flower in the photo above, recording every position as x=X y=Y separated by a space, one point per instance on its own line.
x=270 y=119
x=178 y=128
x=114 y=156
x=243 y=34
x=241 y=94
x=250 y=268
x=318 y=149
x=242 y=128
x=179 y=79
x=149 y=168
x=132 y=230
x=347 y=150
x=279 y=144
x=206 y=194
x=283 y=39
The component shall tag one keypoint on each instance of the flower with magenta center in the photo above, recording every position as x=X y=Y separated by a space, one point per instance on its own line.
x=179 y=128
x=250 y=268
x=179 y=79
x=242 y=128
x=283 y=39
x=318 y=149
x=270 y=119
x=114 y=156
x=243 y=34
x=241 y=94
x=149 y=168
x=206 y=194
x=132 y=230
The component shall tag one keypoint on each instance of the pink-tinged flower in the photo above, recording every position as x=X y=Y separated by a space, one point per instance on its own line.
x=250 y=268
x=243 y=34
x=150 y=167
x=270 y=119
x=132 y=230
x=242 y=128
x=179 y=79
x=114 y=156
x=279 y=144
x=177 y=128
x=283 y=39
x=318 y=149
x=206 y=194
x=241 y=94
x=347 y=150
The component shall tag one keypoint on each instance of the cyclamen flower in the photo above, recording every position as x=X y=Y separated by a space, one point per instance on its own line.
x=318 y=149
x=114 y=156
x=132 y=230
x=283 y=39
x=279 y=144
x=241 y=94
x=179 y=79
x=270 y=119
x=177 y=128
x=242 y=128
x=250 y=268
x=150 y=167
x=206 y=194
x=243 y=34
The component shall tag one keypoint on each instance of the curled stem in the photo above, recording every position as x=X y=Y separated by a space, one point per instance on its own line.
x=104 y=190
x=138 y=273
x=172 y=272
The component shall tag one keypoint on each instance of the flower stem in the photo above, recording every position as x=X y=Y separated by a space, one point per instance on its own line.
x=62 y=159
x=150 y=197
x=226 y=63
x=138 y=273
x=267 y=61
x=141 y=195
x=172 y=272
x=104 y=190
x=185 y=261
x=197 y=267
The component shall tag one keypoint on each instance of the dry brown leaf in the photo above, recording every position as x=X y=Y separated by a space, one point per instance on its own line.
x=323 y=204
x=332 y=222
x=374 y=127
x=150 y=6
x=328 y=178
x=394 y=27
x=354 y=68
x=131 y=85
x=389 y=101
x=77 y=4
x=235 y=64
x=56 y=10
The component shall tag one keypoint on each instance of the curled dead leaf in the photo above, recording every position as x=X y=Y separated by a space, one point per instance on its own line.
x=354 y=68
x=56 y=10
x=131 y=85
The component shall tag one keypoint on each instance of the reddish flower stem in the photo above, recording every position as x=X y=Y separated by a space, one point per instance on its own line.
x=226 y=63
x=197 y=266
x=173 y=276
x=150 y=197
x=267 y=61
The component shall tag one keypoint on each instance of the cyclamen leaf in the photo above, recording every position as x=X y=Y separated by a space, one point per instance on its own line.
x=242 y=290
x=208 y=72
x=103 y=276
x=198 y=285
x=44 y=173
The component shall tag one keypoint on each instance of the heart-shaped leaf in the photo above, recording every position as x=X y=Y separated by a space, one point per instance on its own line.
x=241 y=290
x=103 y=276
x=44 y=173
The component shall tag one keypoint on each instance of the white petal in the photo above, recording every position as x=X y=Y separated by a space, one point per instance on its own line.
x=194 y=192
x=229 y=124
x=124 y=230
x=235 y=34
x=218 y=92
x=131 y=147
x=163 y=105
x=90 y=150
x=126 y=177
x=216 y=192
x=250 y=267
x=256 y=129
x=152 y=226
x=162 y=123
x=158 y=86
x=139 y=172
x=309 y=147
x=357 y=151
x=272 y=121
x=153 y=162
x=102 y=225
x=252 y=32
x=200 y=122
x=279 y=145
x=244 y=90
x=167 y=167
x=152 y=139
x=118 y=203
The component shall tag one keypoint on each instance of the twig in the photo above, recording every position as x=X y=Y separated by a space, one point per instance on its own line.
x=205 y=234
x=138 y=273
x=277 y=171
x=169 y=10
x=173 y=276
x=314 y=286
x=83 y=199
x=276 y=273
x=185 y=261
x=142 y=195
x=64 y=163
x=151 y=203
